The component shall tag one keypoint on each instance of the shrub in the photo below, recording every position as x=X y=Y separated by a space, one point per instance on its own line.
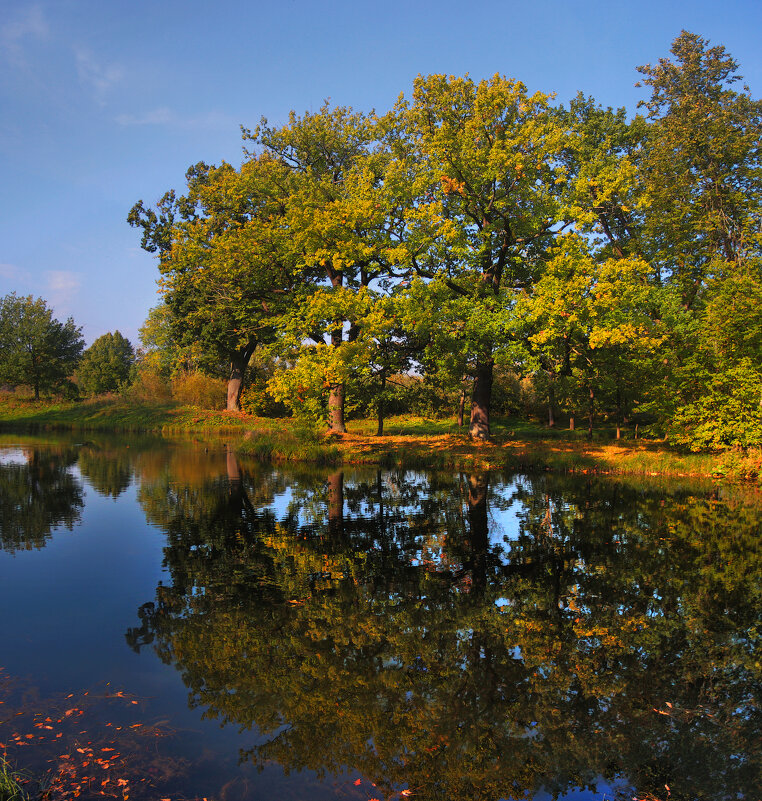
x=197 y=389
x=256 y=400
x=148 y=386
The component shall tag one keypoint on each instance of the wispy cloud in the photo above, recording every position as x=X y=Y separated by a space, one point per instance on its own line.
x=99 y=77
x=159 y=116
x=10 y=272
x=29 y=24
x=167 y=117
x=62 y=286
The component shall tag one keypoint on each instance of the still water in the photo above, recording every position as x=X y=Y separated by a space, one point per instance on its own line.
x=178 y=623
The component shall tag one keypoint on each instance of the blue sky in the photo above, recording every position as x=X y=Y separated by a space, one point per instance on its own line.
x=104 y=102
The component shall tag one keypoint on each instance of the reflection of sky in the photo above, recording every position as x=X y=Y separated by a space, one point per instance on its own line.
x=503 y=522
x=603 y=791
x=11 y=456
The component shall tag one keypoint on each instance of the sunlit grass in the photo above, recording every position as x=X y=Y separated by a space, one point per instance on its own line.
x=411 y=440
x=116 y=414
x=10 y=788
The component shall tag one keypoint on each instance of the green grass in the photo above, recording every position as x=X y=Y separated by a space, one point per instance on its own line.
x=114 y=414
x=10 y=788
x=408 y=439
x=282 y=441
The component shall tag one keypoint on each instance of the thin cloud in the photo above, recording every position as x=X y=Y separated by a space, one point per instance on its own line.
x=62 y=286
x=10 y=272
x=159 y=116
x=99 y=77
x=164 y=116
x=30 y=24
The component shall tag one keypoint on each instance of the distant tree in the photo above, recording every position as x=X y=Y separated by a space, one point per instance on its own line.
x=35 y=348
x=106 y=364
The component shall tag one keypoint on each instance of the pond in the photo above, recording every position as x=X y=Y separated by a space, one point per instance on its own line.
x=178 y=623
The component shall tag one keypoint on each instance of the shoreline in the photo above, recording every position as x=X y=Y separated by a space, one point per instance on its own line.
x=410 y=441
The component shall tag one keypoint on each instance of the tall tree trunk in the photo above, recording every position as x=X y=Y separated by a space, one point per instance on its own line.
x=380 y=408
x=551 y=405
x=239 y=361
x=462 y=406
x=336 y=394
x=336 y=391
x=590 y=413
x=480 y=399
x=571 y=422
x=618 y=413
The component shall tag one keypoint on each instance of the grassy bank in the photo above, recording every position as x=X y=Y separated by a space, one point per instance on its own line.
x=409 y=440
x=115 y=414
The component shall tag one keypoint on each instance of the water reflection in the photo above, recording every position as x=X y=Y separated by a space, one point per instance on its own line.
x=108 y=470
x=37 y=493
x=384 y=622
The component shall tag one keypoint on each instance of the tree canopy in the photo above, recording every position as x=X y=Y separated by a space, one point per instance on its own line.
x=610 y=261
x=106 y=364
x=35 y=348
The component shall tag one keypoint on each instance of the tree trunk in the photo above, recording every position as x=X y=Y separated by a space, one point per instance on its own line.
x=235 y=387
x=480 y=399
x=551 y=405
x=380 y=408
x=618 y=413
x=239 y=361
x=336 y=394
x=590 y=414
x=462 y=406
x=336 y=391
x=571 y=422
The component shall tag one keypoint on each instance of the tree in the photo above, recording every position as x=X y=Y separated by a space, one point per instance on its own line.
x=489 y=178
x=106 y=364
x=224 y=279
x=701 y=168
x=702 y=164
x=591 y=320
x=35 y=348
x=344 y=243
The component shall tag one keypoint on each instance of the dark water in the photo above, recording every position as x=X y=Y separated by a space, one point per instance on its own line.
x=236 y=631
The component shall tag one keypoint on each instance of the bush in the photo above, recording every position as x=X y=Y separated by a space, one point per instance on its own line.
x=197 y=389
x=148 y=386
x=727 y=414
x=257 y=401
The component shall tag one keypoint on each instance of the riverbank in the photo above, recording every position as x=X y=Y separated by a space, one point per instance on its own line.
x=412 y=441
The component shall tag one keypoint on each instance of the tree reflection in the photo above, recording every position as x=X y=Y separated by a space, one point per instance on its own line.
x=37 y=495
x=378 y=623
x=109 y=470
